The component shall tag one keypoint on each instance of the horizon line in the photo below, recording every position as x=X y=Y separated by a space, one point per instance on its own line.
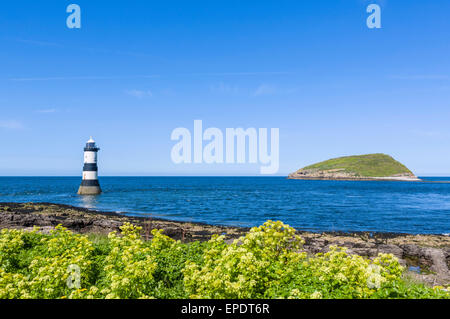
x=79 y=176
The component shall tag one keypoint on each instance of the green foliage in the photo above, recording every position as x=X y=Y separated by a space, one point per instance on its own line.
x=337 y=274
x=370 y=165
x=171 y=257
x=128 y=267
x=267 y=262
x=47 y=259
x=248 y=267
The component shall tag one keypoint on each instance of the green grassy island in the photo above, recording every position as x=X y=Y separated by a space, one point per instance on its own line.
x=359 y=167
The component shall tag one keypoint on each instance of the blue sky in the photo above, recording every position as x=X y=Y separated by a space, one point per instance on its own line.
x=136 y=70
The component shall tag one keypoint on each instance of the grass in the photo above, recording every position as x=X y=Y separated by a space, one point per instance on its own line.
x=370 y=165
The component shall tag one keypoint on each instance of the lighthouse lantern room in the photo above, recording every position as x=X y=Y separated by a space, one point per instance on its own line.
x=89 y=184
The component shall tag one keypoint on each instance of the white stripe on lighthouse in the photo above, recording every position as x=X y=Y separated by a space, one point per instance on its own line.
x=90 y=157
x=90 y=175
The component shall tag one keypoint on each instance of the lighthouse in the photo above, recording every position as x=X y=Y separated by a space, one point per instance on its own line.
x=89 y=184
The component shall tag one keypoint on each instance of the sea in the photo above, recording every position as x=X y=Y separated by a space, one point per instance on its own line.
x=317 y=206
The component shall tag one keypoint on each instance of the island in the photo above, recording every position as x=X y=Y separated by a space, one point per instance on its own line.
x=358 y=167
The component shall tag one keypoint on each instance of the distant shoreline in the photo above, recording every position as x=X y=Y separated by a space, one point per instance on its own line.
x=419 y=179
x=361 y=179
x=381 y=179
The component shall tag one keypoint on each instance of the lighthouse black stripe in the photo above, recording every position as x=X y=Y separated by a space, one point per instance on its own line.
x=91 y=149
x=90 y=167
x=90 y=182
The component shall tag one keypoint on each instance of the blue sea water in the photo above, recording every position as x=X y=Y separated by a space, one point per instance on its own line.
x=408 y=207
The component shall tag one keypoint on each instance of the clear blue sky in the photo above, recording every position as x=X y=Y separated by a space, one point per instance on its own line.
x=138 y=69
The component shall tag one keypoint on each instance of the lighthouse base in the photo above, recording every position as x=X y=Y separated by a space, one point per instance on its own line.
x=89 y=190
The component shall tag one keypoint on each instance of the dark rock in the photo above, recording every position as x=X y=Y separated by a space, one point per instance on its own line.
x=391 y=249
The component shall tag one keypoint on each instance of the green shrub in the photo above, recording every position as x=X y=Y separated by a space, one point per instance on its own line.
x=268 y=262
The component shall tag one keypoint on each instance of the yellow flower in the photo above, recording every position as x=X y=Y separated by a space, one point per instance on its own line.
x=316 y=295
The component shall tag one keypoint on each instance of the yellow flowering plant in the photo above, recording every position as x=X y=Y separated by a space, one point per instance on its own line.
x=268 y=262
x=247 y=267
x=129 y=266
x=47 y=273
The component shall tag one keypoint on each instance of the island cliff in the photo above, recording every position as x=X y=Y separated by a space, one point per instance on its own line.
x=359 y=167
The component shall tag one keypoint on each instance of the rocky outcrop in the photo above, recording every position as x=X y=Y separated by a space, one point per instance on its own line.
x=341 y=174
x=429 y=253
x=81 y=220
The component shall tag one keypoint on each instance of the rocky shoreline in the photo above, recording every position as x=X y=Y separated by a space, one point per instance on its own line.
x=429 y=252
x=342 y=175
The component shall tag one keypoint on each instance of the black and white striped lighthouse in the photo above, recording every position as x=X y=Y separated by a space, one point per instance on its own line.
x=89 y=184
